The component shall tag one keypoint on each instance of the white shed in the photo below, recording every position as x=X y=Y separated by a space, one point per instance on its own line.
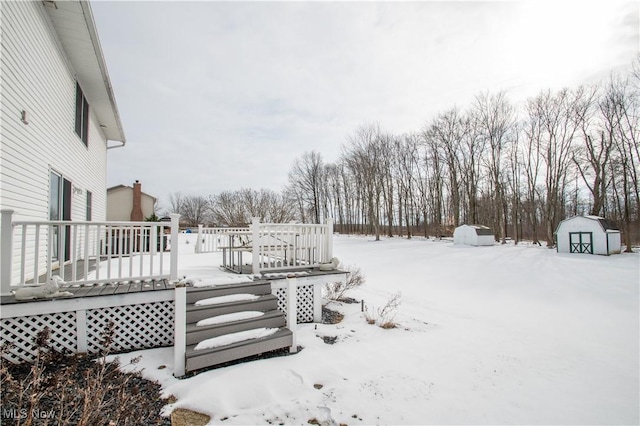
x=473 y=235
x=587 y=234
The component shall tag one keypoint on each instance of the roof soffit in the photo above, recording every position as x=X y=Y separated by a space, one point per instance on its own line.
x=75 y=28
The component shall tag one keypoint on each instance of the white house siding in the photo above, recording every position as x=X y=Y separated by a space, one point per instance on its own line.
x=37 y=77
x=120 y=204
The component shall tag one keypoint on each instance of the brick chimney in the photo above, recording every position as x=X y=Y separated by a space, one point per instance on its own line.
x=136 y=211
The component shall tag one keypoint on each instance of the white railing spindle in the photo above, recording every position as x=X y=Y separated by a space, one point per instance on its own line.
x=84 y=252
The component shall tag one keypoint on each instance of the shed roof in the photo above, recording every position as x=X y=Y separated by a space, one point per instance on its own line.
x=605 y=224
x=482 y=230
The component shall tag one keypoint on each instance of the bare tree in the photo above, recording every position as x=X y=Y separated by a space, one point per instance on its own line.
x=227 y=209
x=531 y=147
x=408 y=180
x=237 y=208
x=559 y=122
x=194 y=209
x=176 y=201
x=279 y=209
x=494 y=121
x=593 y=155
x=447 y=132
x=306 y=182
x=621 y=111
x=362 y=158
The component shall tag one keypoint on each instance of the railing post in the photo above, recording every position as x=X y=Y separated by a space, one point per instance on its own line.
x=175 y=224
x=255 y=242
x=292 y=311
x=198 y=248
x=329 y=240
x=6 y=231
x=179 y=330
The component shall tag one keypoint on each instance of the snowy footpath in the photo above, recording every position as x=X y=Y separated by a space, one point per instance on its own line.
x=487 y=335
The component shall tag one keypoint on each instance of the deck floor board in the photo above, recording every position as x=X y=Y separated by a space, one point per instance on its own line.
x=96 y=290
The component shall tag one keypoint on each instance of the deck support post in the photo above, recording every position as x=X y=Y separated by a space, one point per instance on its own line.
x=292 y=311
x=81 y=331
x=255 y=242
x=179 y=330
x=175 y=225
x=6 y=230
x=317 y=303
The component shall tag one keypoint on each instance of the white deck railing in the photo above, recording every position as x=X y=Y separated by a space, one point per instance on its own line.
x=85 y=252
x=290 y=246
x=212 y=240
x=271 y=246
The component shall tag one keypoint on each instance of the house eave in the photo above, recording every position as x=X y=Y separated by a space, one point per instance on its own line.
x=75 y=27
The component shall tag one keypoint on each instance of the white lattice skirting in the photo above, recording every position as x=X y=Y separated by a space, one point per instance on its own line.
x=143 y=320
x=143 y=326
x=304 y=300
x=137 y=326
x=21 y=331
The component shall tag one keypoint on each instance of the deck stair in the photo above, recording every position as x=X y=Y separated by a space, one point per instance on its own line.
x=228 y=310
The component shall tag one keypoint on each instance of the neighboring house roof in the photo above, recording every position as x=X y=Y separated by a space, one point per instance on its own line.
x=121 y=187
x=76 y=29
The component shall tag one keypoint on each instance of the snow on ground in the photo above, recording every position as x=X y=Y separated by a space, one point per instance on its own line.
x=488 y=335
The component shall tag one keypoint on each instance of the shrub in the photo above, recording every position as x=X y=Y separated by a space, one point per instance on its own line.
x=337 y=291
x=384 y=317
x=76 y=390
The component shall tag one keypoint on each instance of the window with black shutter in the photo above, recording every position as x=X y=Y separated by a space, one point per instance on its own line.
x=82 y=115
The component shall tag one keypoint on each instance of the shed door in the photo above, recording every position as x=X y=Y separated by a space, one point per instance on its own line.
x=581 y=242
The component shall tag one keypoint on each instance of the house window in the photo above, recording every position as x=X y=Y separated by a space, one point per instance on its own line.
x=82 y=115
x=89 y=205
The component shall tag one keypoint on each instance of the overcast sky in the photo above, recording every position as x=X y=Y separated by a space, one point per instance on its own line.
x=217 y=96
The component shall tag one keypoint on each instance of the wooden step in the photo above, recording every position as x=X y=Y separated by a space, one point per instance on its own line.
x=253 y=287
x=270 y=319
x=264 y=303
x=195 y=360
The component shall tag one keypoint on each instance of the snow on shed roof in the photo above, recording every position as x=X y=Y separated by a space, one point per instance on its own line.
x=606 y=225
x=481 y=229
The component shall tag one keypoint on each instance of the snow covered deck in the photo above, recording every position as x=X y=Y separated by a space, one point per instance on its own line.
x=100 y=289
x=143 y=309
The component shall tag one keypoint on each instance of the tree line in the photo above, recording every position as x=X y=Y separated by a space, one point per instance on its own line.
x=520 y=169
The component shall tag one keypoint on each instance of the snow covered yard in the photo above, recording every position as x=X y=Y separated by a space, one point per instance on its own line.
x=488 y=335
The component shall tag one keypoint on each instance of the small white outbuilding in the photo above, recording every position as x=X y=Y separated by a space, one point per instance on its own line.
x=473 y=235
x=587 y=234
